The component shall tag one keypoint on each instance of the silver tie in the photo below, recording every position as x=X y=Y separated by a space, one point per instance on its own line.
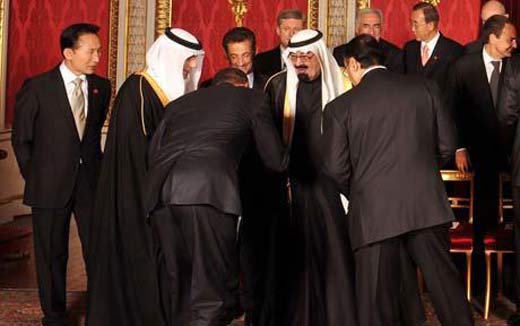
x=77 y=104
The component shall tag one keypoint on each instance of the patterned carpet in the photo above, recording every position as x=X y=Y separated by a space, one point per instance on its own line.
x=21 y=308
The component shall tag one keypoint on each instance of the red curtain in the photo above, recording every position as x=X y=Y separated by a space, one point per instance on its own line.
x=210 y=22
x=460 y=20
x=34 y=31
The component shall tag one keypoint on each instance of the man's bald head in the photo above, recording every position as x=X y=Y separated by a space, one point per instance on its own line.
x=491 y=8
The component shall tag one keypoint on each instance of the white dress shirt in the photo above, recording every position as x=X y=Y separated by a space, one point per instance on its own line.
x=489 y=66
x=431 y=44
x=68 y=79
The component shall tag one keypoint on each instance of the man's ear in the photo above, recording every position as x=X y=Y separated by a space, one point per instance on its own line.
x=67 y=53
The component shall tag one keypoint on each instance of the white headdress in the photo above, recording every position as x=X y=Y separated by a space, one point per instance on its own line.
x=332 y=79
x=165 y=61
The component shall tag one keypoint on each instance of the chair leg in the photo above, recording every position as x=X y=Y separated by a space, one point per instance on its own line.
x=468 y=276
x=488 y=285
x=500 y=267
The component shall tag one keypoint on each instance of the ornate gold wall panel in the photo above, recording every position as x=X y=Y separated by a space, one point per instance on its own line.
x=433 y=2
x=337 y=22
x=313 y=12
x=112 y=43
x=360 y=4
x=4 y=12
x=136 y=15
x=163 y=15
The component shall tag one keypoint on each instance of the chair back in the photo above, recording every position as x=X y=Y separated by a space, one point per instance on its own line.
x=460 y=190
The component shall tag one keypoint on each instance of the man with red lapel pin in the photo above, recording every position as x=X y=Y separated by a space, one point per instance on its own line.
x=56 y=138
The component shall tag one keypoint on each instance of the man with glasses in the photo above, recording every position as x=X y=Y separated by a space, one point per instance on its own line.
x=431 y=54
x=313 y=277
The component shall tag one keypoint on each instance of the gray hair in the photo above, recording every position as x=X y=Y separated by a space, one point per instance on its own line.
x=365 y=11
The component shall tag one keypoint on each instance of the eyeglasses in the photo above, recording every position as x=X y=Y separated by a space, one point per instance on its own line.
x=303 y=57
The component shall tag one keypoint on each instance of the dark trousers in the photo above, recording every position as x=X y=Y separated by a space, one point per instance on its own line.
x=200 y=264
x=379 y=278
x=516 y=205
x=51 y=248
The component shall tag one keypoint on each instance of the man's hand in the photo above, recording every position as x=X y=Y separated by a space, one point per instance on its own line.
x=462 y=160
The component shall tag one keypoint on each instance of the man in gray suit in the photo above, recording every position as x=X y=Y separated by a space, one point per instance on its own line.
x=387 y=137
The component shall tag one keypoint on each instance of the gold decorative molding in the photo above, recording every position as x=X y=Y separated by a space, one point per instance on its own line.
x=3 y=59
x=433 y=2
x=361 y=4
x=313 y=11
x=239 y=9
x=112 y=44
x=163 y=16
x=336 y=17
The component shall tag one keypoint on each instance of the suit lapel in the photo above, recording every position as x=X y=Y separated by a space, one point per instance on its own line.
x=437 y=54
x=482 y=81
x=93 y=103
x=62 y=101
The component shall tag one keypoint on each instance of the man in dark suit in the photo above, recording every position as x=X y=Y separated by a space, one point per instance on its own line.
x=239 y=45
x=473 y=95
x=490 y=8
x=370 y=21
x=509 y=118
x=288 y=23
x=431 y=54
x=374 y=151
x=193 y=186
x=56 y=138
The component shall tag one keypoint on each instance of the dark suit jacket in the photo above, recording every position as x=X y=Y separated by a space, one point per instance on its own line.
x=385 y=158
x=46 y=141
x=195 y=153
x=476 y=118
x=258 y=82
x=446 y=52
x=393 y=55
x=268 y=63
x=509 y=113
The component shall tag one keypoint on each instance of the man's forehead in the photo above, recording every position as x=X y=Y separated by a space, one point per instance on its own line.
x=291 y=21
x=242 y=45
x=370 y=18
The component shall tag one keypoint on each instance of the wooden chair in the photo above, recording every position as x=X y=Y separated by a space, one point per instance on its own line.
x=461 y=201
x=499 y=241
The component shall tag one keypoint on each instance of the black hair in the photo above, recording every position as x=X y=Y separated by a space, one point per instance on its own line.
x=231 y=76
x=237 y=35
x=494 y=25
x=69 y=36
x=366 y=50
x=430 y=12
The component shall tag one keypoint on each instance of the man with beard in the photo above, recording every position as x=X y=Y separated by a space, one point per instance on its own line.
x=124 y=286
x=193 y=193
x=370 y=21
x=313 y=278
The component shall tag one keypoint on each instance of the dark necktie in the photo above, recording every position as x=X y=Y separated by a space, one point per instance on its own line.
x=493 y=81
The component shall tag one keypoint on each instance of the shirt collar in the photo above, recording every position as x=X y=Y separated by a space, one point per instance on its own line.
x=431 y=43
x=487 y=57
x=69 y=76
x=372 y=68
